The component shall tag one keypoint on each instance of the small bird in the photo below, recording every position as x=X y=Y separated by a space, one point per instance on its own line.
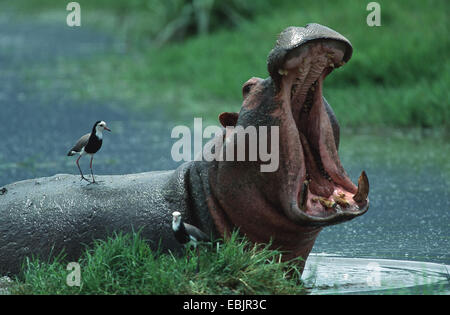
x=187 y=235
x=90 y=143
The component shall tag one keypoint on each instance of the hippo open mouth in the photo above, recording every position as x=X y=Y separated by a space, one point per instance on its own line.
x=321 y=193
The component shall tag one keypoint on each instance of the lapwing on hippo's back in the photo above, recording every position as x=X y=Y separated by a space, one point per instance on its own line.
x=90 y=143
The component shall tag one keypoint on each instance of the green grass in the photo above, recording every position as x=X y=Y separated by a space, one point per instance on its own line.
x=125 y=264
x=398 y=76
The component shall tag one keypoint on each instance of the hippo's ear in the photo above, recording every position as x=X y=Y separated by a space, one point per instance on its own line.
x=228 y=119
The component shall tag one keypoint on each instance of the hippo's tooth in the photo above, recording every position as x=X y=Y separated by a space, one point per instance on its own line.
x=283 y=72
x=331 y=65
x=340 y=200
x=363 y=188
x=327 y=203
x=304 y=195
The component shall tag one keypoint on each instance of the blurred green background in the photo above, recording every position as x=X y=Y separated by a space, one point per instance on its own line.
x=191 y=57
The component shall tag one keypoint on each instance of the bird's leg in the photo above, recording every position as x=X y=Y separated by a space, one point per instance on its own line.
x=198 y=259
x=92 y=173
x=82 y=176
x=187 y=254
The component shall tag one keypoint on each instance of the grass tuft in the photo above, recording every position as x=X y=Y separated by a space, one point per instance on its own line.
x=125 y=264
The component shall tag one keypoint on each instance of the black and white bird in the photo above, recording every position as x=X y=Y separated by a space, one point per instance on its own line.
x=185 y=233
x=90 y=143
x=188 y=235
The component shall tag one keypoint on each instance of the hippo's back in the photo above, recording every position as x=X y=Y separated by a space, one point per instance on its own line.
x=62 y=212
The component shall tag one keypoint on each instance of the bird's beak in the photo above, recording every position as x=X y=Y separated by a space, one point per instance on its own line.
x=106 y=128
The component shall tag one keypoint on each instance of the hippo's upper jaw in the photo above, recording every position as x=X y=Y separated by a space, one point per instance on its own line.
x=321 y=193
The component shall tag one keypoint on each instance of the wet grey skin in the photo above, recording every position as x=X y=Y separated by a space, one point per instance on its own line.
x=43 y=216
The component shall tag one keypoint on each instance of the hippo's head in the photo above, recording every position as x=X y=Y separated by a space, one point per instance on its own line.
x=318 y=190
x=310 y=189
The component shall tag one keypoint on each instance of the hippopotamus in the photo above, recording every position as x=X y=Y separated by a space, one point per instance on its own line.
x=286 y=207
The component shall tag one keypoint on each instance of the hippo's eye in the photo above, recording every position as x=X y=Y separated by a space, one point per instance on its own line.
x=246 y=89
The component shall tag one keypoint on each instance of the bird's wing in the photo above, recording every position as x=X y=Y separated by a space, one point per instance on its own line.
x=197 y=233
x=80 y=143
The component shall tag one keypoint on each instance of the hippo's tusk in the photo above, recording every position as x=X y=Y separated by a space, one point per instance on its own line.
x=363 y=188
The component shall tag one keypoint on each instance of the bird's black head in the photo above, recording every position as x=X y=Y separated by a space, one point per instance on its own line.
x=100 y=125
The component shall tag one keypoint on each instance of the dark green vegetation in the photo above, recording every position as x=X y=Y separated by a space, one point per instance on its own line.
x=124 y=264
x=398 y=76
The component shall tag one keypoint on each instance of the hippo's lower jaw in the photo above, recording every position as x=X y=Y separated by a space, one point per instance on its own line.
x=322 y=193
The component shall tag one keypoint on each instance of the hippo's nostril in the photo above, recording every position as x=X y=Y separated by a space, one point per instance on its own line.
x=245 y=90
x=248 y=86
